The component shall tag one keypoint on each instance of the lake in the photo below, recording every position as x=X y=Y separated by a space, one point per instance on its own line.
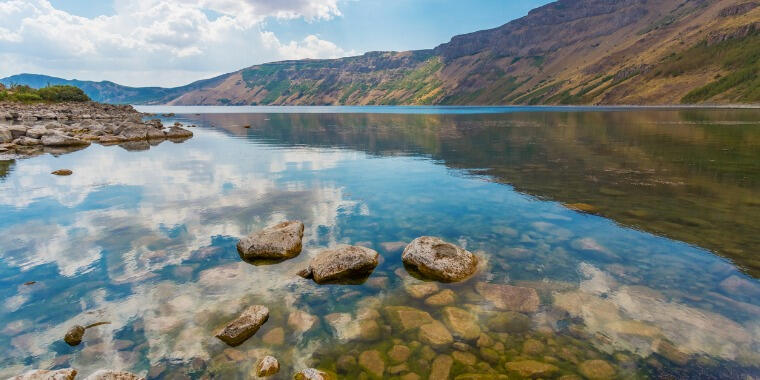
x=638 y=228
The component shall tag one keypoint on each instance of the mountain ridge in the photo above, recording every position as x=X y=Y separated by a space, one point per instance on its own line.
x=566 y=52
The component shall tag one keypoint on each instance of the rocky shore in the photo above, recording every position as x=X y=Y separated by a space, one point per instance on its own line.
x=31 y=129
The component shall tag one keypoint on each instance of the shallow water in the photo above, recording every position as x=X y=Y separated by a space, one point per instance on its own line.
x=657 y=282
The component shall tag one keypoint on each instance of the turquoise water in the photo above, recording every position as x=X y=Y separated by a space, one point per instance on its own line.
x=146 y=241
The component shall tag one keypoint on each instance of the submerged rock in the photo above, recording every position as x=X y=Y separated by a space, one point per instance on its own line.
x=420 y=290
x=312 y=374
x=301 y=321
x=461 y=323
x=372 y=362
x=597 y=370
x=511 y=298
x=44 y=374
x=267 y=366
x=439 y=260
x=509 y=322
x=74 y=336
x=242 y=328
x=444 y=297
x=435 y=334
x=532 y=368
x=407 y=318
x=342 y=263
x=278 y=242
x=104 y=374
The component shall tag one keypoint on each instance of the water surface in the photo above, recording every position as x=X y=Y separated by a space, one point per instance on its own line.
x=657 y=282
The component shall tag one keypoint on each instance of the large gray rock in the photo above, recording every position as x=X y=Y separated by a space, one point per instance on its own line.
x=107 y=374
x=344 y=262
x=5 y=135
x=134 y=132
x=278 y=242
x=244 y=326
x=59 y=139
x=439 y=260
x=177 y=132
x=44 y=374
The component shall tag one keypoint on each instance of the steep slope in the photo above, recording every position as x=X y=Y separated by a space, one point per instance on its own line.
x=567 y=52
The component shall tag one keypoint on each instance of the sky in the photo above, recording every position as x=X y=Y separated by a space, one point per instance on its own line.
x=175 y=42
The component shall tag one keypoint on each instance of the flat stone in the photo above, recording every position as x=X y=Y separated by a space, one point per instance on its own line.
x=399 y=353
x=301 y=321
x=597 y=370
x=442 y=298
x=435 y=334
x=44 y=374
x=343 y=263
x=407 y=318
x=441 y=367
x=420 y=290
x=510 y=322
x=104 y=374
x=461 y=323
x=247 y=324
x=58 y=140
x=275 y=336
x=277 y=242
x=532 y=368
x=465 y=358
x=439 y=260
x=511 y=298
x=372 y=362
x=267 y=366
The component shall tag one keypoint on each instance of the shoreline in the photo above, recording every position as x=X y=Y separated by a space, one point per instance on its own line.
x=28 y=130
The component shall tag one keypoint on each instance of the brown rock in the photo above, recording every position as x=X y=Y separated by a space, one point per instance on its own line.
x=74 y=336
x=442 y=298
x=278 y=242
x=597 y=370
x=312 y=374
x=439 y=260
x=267 y=366
x=372 y=362
x=275 y=336
x=420 y=290
x=343 y=263
x=43 y=374
x=113 y=375
x=441 y=367
x=247 y=324
x=461 y=323
x=532 y=368
x=63 y=172
x=507 y=297
x=465 y=358
x=399 y=353
x=435 y=334
x=301 y=321
x=407 y=318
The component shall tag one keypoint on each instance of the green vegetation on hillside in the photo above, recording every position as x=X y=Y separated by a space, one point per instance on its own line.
x=740 y=57
x=53 y=94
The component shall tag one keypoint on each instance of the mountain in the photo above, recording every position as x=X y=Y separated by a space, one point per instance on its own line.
x=109 y=92
x=566 y=52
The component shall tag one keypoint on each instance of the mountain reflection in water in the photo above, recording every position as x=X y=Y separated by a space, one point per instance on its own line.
x=146 y=241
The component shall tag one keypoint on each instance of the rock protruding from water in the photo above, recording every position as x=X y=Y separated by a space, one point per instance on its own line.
x=242 y=328
x=345 y=262
x=44 y=374
x=439 y=260
x=312 y=374
x=279 y=242
x=511 y=298
x=107 y=374
x=62 y=172
x=267 y=366
x=74 y=336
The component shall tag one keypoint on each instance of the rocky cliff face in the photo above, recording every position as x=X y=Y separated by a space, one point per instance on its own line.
x=566 y=52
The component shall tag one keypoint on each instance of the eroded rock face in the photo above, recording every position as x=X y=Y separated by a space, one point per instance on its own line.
x=343 y=263
x=278 y=242
x=104 y=374
x=43 y=374
x=439 y=260
x=508 y=297
x=267 y=366
x=242 y=328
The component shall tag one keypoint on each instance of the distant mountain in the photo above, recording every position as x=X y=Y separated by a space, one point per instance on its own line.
x=566 y=52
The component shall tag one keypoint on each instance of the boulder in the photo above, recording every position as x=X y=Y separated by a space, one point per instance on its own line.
x=244 y=326
x=278 y=242
x=74 y=336
x=155 y=134
x=134 y=132
x=343 y=263
x=267 y=366
x=439 y=260
x=301 y=321
x=44 y=374
x=511 y=298
x=59 y=139
x=5 y=135
x=435 y=334
x=461 y=323
x=104 y=374
x=177 y=132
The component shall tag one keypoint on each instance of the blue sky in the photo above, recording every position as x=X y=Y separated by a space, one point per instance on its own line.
x=172 y=42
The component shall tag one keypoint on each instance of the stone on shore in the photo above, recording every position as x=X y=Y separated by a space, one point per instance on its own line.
x=244 y=326
x=104 y=374
x=59 y=139
x=267 y=366
x=5 y=136
x=278 y=242
x=511 y=298
x=343 y=263
x=74 y=336
x=44 y=374
x=439 y=260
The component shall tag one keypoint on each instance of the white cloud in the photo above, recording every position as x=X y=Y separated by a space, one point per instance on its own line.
x=148 y=42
